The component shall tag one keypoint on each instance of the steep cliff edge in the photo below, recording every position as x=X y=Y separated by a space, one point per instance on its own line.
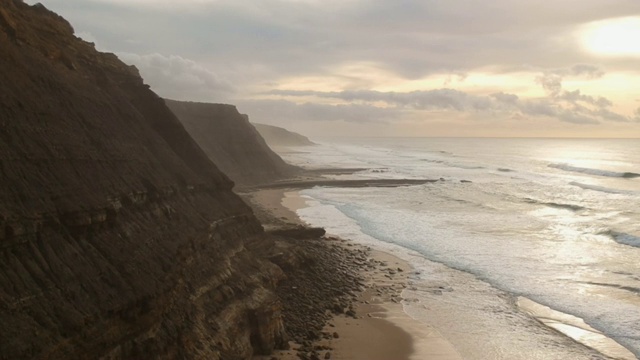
x=276 y=136
x=118 y=236
x=231 y=142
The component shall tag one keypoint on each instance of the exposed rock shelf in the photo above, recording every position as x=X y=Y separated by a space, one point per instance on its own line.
x=303 y=184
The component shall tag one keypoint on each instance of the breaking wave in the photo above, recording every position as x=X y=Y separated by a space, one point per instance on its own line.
x=623 y=238
x=596 y=172
x=571 y=207
x=600 y=188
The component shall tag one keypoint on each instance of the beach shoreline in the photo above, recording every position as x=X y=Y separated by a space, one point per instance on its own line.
x=375 y=326
x=473 y=315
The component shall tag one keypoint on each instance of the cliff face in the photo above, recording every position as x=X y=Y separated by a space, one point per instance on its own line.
x=118 y=236
x=277 y=136
x=231 y=142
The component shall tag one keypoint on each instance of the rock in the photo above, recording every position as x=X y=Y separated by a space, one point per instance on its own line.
x=327 y=355
x=337 y=308
x=336 y=335
x=324 y=278
x=233 y=144
x=299 y=232
x=121 y=236
x=277 y=136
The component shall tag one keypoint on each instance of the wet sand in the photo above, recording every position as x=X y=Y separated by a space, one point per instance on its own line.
x=380 y=330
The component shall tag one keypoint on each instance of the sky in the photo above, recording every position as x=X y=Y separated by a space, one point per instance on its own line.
x=492 y=68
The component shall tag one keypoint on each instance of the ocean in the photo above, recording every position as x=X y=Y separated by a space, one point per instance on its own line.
x=518 y=233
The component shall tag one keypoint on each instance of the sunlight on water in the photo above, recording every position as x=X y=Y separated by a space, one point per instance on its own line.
x=555 y=221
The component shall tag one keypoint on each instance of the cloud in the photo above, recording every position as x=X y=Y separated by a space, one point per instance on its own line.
x=610 y=115
x=548 y=108
x=279 y=111
x=564 y=106
x=216 y=43
x=577 y=112
x=551 y=79
x=178 y=78
x=537 y=107
x=502 y=97
x=551 y=83
x=411 y=38
x=577 y=118
x=576 y=96
x=636 y=115
x=441 y=99
x=588 y=71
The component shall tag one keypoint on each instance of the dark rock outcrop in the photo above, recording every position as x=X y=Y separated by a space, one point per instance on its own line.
x=277 y=136
x=299 y=232
x=119 y=238
x=231 y=142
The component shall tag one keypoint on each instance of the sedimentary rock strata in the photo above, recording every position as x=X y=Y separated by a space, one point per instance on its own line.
x=119 y=238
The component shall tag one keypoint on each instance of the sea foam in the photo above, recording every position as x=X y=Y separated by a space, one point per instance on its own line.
x=623 y=238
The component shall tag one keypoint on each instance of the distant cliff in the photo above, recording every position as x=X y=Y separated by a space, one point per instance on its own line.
x=231 y=142
x=119 y=237
x=277 y=136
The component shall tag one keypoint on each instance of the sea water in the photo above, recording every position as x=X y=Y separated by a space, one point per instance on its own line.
x=510 y=223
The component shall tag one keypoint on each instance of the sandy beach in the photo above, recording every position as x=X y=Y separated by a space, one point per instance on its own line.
x=377 y=328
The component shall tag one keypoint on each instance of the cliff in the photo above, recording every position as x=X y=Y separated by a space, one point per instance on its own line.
x=231 y=142
x=277 y=136
x=119 y=238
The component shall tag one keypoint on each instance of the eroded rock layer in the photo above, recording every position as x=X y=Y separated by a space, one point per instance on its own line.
x=119 y=238
x=231 y=142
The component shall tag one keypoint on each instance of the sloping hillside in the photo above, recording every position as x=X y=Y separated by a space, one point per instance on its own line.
x=231 y=142
x=277 y=136
x=119 y=238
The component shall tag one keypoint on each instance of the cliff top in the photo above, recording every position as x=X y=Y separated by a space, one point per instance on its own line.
x=276 y=136
x=231 y=142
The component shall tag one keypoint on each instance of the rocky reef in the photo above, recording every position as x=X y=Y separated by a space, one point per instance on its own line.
x=231 y=142
x=119 y=238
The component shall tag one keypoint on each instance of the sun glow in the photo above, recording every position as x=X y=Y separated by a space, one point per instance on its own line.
x=613 y=37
